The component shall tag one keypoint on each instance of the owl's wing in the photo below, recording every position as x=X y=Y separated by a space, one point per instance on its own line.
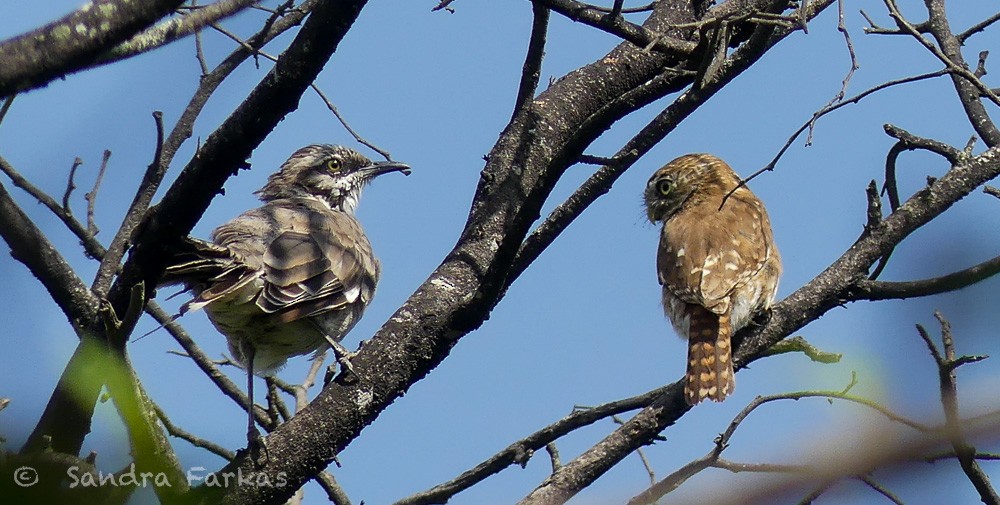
x=318 y=262
x=706 y=252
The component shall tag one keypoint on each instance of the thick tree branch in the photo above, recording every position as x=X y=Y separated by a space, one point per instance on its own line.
x=174 y=29
x=29 y=246
x=34 y=59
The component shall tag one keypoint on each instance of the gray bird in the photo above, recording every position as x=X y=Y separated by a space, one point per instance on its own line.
x=294 y=275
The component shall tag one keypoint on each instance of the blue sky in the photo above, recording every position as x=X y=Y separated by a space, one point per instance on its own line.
x=583 y=325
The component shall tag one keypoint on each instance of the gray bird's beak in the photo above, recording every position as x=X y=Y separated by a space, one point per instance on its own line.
x=384 y=167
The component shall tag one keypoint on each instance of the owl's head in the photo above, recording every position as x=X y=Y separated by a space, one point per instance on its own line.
x=689 y=178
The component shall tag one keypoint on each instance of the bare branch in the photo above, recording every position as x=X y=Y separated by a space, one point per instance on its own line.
x=176 y=431
x=808 y=125
x=174 y=29
x=91 y=196
x=334 y=492
x=879 y=488
x=116 y=250
x=866 y=289
x=7 y=102
x=949 y=400
x=553 y=455
x=968 y=87
x=30 y=246
x=519 y=452
x=531 y=71
x=33 y=59
x=978 y=27
x=70 y=185
x=618 y=26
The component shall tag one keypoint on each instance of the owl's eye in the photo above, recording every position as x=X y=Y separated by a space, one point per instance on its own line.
x=663 y=186
x=333 y=164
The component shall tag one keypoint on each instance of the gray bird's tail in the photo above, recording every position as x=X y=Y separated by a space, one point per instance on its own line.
x=208 y=270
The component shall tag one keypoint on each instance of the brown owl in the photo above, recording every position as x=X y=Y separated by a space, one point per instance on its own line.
x=717 y=263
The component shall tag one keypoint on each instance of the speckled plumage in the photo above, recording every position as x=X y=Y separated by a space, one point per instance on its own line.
x=717 y=263
x=287 y=278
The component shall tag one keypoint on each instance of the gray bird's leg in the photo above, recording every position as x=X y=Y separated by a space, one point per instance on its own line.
x=341 y=353
x=256 y=444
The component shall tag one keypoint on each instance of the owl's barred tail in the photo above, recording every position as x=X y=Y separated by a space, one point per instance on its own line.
x=710 y=365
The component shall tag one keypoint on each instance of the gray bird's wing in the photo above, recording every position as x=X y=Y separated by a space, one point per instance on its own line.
x=319 y=260
x=210 y=270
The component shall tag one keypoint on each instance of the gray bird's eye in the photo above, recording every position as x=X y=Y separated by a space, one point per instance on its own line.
x=663 y=186
x=334 y=164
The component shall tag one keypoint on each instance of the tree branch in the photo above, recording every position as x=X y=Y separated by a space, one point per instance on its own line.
x=620 y=27
x=532 y=68
x=521 y=451
x=29 y=246
x=174 y=29
x=34 y=59
x=866 y=289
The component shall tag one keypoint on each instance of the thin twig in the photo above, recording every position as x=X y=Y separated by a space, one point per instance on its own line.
x=879 y=488
x=7 y=102
x=520 y=451
x=531 y=71
x=867 y=289
x=553 y=455
x=842 y=28
x=334 y=492
x=830 y=108
x=946 y=364
x=111 y=262
x=91 y=246
x=444 y=4
x=91 y=196
x=196 y=441
x=329 y=105
x=978 y=27
x=70 y=184
x=955 y=67
x=199 y=51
